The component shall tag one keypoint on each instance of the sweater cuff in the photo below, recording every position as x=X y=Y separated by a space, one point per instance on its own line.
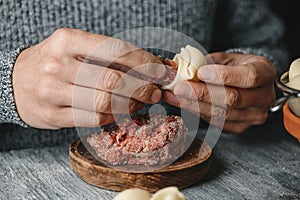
x=8 y=110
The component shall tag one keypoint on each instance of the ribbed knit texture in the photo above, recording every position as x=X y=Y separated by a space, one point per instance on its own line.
x=233 y=25
x=8 y=109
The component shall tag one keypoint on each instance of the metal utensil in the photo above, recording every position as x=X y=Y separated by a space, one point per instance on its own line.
x=289 y=93
x=278 y=103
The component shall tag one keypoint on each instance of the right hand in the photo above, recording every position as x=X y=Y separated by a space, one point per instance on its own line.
x=53 y=88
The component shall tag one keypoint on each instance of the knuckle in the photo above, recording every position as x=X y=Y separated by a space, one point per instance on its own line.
x=103 y=102
x=120 y=44
x=252 y=78
x=199 y=94
x=217 y=56
x=104 y=119
x=110 y=79
x=118 y=48
x=144 y=91
x=61 y=37
x=52 y=66
x=62 y=33
x=232 y=97
x=225 y=78
x=145 y=57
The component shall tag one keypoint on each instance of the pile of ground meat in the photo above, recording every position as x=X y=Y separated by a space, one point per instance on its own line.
x=141 y=140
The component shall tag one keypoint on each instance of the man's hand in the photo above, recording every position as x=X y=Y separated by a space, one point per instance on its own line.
x=249 y=90
x=54 y=87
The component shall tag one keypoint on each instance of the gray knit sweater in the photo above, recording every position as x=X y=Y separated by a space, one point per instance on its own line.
x=233 y=25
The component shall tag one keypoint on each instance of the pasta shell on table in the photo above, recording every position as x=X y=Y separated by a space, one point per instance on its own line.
x=133 y=194
x=168 y=193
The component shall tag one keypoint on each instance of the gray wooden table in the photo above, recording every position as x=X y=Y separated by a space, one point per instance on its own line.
x=263 y=163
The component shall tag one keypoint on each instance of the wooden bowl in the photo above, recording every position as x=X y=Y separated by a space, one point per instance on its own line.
x=186 y=171
x=291 y=122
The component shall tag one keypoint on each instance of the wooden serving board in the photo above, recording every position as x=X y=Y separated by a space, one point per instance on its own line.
x=186 y=171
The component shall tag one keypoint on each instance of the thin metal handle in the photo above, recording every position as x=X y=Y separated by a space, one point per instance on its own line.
x=278 y=103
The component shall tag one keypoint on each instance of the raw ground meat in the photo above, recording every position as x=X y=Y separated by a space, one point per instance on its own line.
x=141 y=141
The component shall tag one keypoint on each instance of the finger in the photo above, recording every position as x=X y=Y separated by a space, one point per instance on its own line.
x=114 y=81
x=251 y=74
x=231 y=120
x=107 y=50
x=226 y=96
x=99 y=101
x=73 y=117
x=203 y=92
x=208 y=111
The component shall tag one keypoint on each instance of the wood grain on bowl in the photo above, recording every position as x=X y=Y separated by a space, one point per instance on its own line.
x=186 y=171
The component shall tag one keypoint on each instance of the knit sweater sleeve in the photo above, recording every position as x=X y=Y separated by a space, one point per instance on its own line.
x=8 y=111
x=250 y=27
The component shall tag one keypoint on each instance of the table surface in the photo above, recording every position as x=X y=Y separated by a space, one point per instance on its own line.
x=262 y=163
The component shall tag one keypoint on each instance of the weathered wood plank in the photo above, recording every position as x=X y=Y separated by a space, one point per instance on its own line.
x=262 y=163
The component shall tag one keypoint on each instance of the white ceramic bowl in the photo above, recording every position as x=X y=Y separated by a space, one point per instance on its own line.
x=293 y=102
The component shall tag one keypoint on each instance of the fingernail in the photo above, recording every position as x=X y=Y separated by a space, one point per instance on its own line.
x=156 y=95
x=206 y=73
x=183 y=89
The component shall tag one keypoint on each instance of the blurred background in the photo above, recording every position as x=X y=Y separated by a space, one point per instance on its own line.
x=289 y=12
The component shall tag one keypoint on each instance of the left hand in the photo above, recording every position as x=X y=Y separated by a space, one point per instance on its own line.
x=248 y=81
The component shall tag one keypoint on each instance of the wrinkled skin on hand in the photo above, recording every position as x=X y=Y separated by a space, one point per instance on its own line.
x=248 y=84
x=55 y=88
